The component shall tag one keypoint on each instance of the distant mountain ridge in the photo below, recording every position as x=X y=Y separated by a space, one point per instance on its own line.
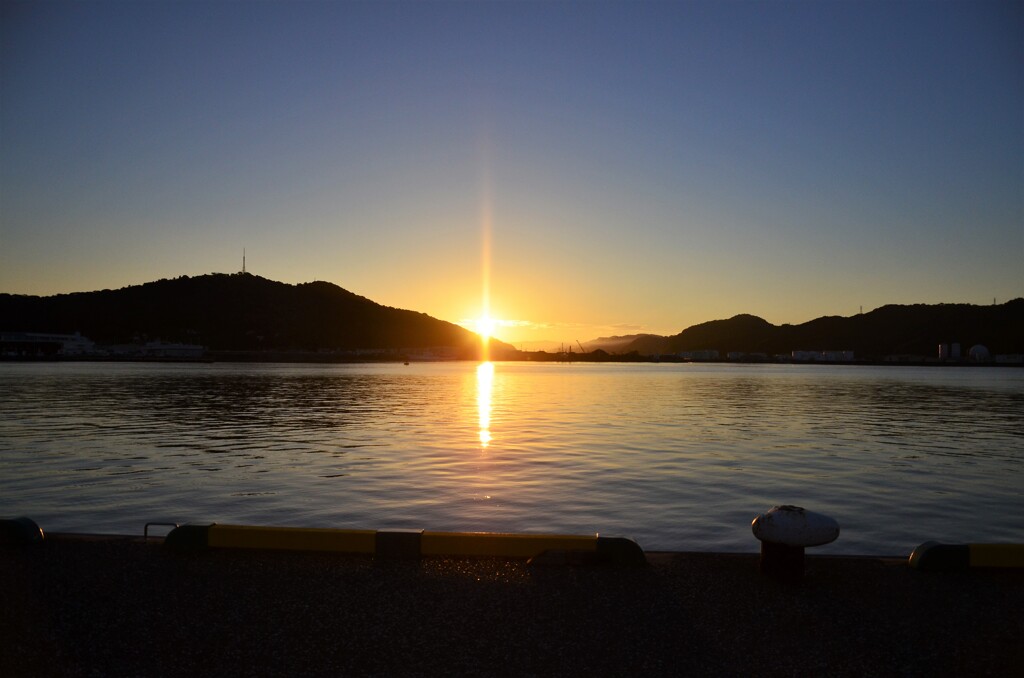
x=889 y=330
x=236 y=312
x=618 y=344
x=244 y=312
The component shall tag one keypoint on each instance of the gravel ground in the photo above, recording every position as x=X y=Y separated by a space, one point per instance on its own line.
x=120 y=607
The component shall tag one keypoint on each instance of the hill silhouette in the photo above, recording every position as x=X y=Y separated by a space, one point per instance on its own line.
x=244 y=312
x=890 y=330
x=236 y=312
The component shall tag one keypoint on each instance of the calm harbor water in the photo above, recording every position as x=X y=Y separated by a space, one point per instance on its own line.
x=679 y=457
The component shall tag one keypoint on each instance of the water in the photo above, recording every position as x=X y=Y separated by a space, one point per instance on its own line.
x=679 y=457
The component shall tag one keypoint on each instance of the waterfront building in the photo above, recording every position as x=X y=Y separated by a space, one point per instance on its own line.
x=28 y=344
x=979 y=354
x=823 y=356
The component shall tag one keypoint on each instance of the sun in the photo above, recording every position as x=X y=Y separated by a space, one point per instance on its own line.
x=485 y=325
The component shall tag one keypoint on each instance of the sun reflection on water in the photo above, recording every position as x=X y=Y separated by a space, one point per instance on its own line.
x=484 y=384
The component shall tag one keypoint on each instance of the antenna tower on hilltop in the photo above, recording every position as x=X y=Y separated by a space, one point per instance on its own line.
x=243 y=260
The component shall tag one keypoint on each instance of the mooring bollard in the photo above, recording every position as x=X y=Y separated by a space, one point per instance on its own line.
x=784 y=532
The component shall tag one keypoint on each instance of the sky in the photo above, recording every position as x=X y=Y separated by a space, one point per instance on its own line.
x=574 y=169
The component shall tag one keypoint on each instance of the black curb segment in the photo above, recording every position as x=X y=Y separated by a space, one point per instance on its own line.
x=935 y=557
x=189 y=538
x=932 y=556
x=401 y=545
x=620 y=551
x=20 y=532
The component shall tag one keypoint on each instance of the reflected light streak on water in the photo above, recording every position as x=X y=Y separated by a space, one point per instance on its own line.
x=484 y=385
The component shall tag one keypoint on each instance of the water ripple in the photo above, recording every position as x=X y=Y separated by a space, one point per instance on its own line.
x=677 y=456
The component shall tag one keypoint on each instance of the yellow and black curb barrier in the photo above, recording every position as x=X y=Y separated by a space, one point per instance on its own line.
x=538 y=548
x=935 y=557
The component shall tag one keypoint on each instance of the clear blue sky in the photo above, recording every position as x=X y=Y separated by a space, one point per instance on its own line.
x=608 y=167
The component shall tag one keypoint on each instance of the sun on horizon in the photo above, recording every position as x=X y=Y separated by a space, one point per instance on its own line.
x=485 y=325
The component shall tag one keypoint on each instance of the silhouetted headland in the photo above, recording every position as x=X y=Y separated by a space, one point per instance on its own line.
x=243 y=317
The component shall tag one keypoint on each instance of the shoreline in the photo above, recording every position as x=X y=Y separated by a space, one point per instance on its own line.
x=320 y=359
